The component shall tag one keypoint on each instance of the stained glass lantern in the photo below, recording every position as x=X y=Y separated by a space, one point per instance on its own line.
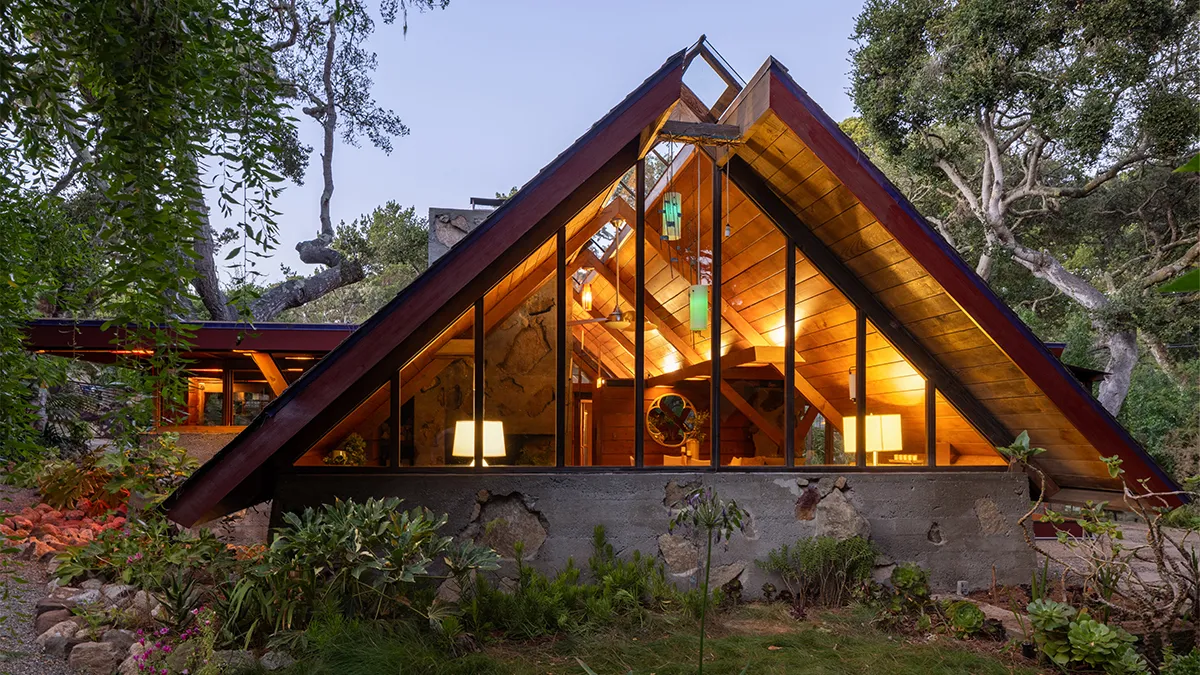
x=698 y=307
x=672 y=212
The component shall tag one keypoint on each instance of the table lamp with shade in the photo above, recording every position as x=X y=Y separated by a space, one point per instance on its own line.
x=464 y=439
x=883 y=435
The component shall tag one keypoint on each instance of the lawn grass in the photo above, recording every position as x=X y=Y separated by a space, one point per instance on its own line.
x=761 y=640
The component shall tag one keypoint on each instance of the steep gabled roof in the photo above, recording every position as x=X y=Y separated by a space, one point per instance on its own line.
x=815 y=178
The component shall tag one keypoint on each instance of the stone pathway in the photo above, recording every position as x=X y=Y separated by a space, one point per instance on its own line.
x=22 y=584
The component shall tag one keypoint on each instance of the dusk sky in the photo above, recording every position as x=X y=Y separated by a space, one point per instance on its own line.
x=493 y=91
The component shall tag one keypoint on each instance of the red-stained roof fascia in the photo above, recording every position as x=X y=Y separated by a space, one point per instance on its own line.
x=831 y=145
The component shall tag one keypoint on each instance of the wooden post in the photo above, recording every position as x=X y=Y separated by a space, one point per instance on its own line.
x=477 y=412
x=930 y=424
x=789 y=356
x=561 y=409
x=639 y=343
x=227 y=397
x=394 y=402
x=860 y=388
x=714 y=411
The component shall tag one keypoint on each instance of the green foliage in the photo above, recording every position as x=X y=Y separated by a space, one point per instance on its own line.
x=148 y=554
x=1070 y=637
x=352 y=452
x=1181 y=665
x=346 y=557
x=392 y=244
x=151 y=468
x=823 y=571
x=1020 y=452
x=965 y=618
x=620 y=592
x=63 y=483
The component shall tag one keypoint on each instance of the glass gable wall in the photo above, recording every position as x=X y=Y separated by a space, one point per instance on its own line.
x=556 y=343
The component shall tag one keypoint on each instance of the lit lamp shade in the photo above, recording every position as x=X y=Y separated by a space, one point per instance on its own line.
x=586 y=297
x=464 y=439
x=883 y=435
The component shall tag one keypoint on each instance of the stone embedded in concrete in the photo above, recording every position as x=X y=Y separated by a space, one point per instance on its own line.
x=505 y=520
x=840 y=483
x=837 y=518
x=991 y=519
x=806 y=503
x=675 y=493
x=95 y=658
x=679 y=553
x=720 y=576
x=935 y=534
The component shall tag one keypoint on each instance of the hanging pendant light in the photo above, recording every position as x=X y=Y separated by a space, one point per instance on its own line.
x=586 y=297
x=698 y=307
x=698 y=293
x=672 y=224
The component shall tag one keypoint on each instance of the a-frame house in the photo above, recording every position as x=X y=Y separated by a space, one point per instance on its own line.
x=591 y=359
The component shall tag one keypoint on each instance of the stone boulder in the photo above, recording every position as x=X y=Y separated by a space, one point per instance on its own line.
x=233 y=660
x=59 y=598
x=837 y=518
x=276 y=660
x=46 y=620
x=123 y=639
x=115 y=594
x=87 y=597
x=59 y=638
x=92 y=585
x=95 y=658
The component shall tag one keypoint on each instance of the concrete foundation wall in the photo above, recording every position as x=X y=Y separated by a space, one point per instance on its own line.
x=958 y=525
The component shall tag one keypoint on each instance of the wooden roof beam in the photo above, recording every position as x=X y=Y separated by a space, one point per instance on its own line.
x=270 y=370
x=701 y=133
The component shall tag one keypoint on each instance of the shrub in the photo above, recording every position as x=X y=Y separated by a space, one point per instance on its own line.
x=823 y=571
x=150 y=469
x=63 y=483
x=1181 y=665
x=538 y=605
x=1070 y=637
x=147 y=554
x=347 y=557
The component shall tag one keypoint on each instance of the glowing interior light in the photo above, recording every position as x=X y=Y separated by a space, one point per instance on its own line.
x=671 y=363
x=586 y=297
x=672 y=213
x=698 y=307
x=464 y=439
x=883 y=435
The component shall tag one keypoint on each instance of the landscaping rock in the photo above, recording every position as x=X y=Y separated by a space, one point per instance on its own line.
x=59 y=598
x=123 y=639
x=92 y=585
x=128 y=667
x=142 y=605
x=232 y=660
x=95 y=658
x=89 y=597
x=837 y=518
x=59 y=638
x=116 y=593
x=182 y=657
x=276 y=660
x=46 y=620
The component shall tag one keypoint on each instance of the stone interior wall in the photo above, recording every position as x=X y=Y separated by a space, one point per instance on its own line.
x=519 y=388
x=960 y=526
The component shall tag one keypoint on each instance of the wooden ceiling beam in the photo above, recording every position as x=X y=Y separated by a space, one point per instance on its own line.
x=701 y=133
x=751 y=413
x=270 y=370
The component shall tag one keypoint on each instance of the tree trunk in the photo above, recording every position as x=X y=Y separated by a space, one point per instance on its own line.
x=1122 y=357
x=207 y=282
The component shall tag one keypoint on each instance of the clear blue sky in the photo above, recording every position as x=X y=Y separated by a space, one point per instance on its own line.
x=492 y=91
